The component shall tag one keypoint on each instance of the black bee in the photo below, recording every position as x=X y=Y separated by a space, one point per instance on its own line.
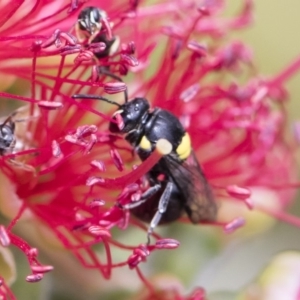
x=92 y=26
x=177 y=183
x=7 y=137
x=13 y=133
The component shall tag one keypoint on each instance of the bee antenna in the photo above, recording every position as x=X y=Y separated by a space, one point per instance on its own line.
x=7 y=120
x=95 y=97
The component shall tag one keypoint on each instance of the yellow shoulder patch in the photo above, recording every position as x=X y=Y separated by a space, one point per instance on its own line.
x=184 y=149
x=145 y=143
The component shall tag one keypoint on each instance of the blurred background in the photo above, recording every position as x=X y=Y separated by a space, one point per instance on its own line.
x=227 y=265
x=275 y=42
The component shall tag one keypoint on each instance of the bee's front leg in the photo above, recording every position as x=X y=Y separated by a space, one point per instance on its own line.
x=144 y=197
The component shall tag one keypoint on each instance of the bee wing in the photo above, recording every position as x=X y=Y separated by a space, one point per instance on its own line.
x=190 y=180
x=21 y=114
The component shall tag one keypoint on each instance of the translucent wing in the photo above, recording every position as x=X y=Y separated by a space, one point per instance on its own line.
x=190 y=180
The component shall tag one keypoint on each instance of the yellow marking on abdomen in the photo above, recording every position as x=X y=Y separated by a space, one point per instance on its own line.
x=184 y=149
x=145 y=143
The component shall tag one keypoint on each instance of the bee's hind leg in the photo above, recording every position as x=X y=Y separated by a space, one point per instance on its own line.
x=162 y=207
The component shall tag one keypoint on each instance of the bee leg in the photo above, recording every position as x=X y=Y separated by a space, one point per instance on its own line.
x=145 y=196
x=151 y=191
x=104 y=70
x=162 y=207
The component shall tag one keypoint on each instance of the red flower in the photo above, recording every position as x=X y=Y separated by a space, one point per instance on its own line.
x=67 y=167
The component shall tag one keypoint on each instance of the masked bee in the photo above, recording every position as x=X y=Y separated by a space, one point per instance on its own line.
x=7 y=137
x=93 y=26
x=177 y=183
x=14 y=135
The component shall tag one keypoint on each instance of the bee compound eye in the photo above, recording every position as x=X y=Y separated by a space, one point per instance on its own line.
x=6 y=136
x=5 y=132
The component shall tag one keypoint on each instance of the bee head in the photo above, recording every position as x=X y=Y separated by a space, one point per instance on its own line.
x=128 y=116
x=131 y=114
x=89 y=19
x=6 y=133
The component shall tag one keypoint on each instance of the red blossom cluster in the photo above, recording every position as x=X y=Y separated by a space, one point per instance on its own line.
x=71 y=173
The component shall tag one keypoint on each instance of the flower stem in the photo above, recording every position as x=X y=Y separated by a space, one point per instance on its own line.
x=287 y=73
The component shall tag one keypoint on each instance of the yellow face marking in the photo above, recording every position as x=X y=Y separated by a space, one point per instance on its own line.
x=117 y=112
x=145 y=143
x=184 y=149
x=82 y=35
